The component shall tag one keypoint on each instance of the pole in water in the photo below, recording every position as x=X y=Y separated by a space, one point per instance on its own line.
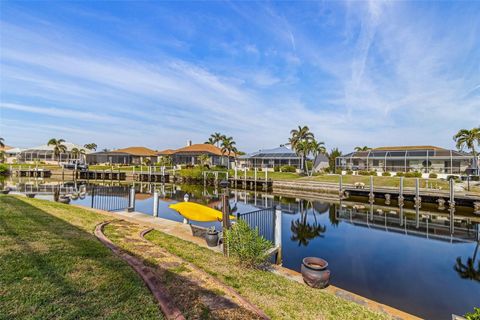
x=131 y=200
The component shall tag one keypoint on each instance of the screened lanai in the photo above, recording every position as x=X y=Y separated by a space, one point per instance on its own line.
x=425 y=159
x=271 y=158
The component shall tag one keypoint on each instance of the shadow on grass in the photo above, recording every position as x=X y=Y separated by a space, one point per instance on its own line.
x=52 y=269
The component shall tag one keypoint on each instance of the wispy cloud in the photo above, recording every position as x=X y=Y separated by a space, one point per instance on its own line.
x=361 y=73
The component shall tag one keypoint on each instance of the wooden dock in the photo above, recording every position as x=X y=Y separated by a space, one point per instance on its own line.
x=151 y=177
x=102 y=175
x=33 y=173
x=251 y=183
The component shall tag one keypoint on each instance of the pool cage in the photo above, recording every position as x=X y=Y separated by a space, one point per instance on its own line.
x=398 y=159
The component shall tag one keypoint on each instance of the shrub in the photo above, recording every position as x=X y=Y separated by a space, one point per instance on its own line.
x=246 y=245
x=349 y=172
x=367 y=173
x=288 y=169
x=433 y=176
x=413 y=174
x=400 y=174
x=338 y=171
x=3 y=169
x=475 y=315
x=276 y=169
x=386 y=174
x=192 y=173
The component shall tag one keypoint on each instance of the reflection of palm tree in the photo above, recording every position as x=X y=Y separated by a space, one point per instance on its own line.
x=332 y=215
x=468 y=270
x=303 y=232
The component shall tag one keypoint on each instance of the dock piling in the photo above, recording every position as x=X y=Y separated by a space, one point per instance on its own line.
x=155 y=203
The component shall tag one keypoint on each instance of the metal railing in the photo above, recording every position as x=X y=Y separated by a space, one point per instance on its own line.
x=110 y=198
x=263 y=220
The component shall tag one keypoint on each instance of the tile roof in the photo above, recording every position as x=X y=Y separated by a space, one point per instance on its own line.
x=5 y=148
x=166 y=152
x=200 y=148
x=137 y=151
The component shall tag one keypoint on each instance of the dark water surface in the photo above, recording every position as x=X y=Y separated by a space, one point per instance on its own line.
x=376 y=254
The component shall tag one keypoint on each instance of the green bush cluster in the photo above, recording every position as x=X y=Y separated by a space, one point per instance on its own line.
x=338 y=171
x=288 y=169
x=475 y=315
x=350 y=172
x=367 y=173
x=386 y=174
x=413 y=174
x=433 y=176
x=191 y=173
x=3 y=169
x=246 y=246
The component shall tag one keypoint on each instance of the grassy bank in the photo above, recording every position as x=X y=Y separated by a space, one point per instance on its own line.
x=52 y=267
x=279 y=297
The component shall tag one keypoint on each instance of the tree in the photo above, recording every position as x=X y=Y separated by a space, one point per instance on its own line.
x=78 y=153
x=302 y=231
x=228 y=147
x=334 y=154
x=91 y=146
x=468 y=138
x=204 y=160
x=468 y=270
x=2 y=143
x=2 y=156
x=316 y=148
x=210 y=141
x=165 y=161
x=58 y=147
x=217 y=138
x=298 y=140
x=364 y=148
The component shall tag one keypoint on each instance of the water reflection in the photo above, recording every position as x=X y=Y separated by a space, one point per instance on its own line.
x=302 y=230
x=468 y=270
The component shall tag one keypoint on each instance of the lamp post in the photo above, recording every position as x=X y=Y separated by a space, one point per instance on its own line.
x=225 y=213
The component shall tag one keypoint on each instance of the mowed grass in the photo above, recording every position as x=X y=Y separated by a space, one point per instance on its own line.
x=52 y=267
x=277 y=296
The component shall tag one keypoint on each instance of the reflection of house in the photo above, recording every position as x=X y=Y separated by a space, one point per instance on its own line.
x=190 y=155
x=270 y=158
x=127 y=156
x=46 y=154
x=408 y=158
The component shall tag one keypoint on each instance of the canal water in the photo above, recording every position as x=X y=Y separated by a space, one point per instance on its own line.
x=422 y=264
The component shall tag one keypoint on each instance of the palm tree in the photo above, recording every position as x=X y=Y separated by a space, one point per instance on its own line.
x=165 y=161
x=334 y=154
x=204 y=160
x=364 y=148
x=210 y=141
x=2 y=156
x=468 y=138
x=297 y=141
x=316 y=148
x=78 y=153
x=228 y=146
x=91 y=146
x=217 y=138
x=2 y=143
x=58 y=147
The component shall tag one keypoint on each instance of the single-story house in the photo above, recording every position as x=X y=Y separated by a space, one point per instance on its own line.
x=190 y=155
x=46 y=154
x=423 y=159
x=126 y=156
x=270 y=158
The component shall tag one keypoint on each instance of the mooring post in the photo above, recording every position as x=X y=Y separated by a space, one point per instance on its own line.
x=245 y=175
x=266 y=174
x=225 y=219
x=418 y=203
x=451 y=203
x=340 y=187
x=155 y=203
x=278 y=233
x=255 y=175
x=371 y=195
x=131 y=200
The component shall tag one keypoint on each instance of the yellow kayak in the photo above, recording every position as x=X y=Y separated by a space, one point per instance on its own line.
x=197 y=212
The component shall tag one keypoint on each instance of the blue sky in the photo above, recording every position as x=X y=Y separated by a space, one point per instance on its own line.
x=160 y=73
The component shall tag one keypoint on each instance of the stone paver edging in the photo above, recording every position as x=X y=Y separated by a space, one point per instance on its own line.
x=169 y=310
x=246 y=304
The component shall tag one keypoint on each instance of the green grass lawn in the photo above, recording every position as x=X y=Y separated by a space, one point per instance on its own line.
x=52 y=267
x=277 y=296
